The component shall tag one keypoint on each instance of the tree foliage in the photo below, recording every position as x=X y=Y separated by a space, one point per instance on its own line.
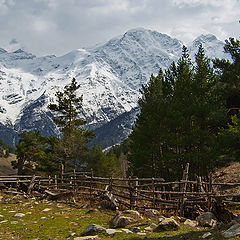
x=72 y=146
x=181 y=114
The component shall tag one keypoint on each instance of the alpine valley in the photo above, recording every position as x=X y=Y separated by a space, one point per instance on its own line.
x=110 y=76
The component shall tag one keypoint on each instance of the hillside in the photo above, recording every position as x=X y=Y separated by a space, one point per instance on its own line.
x=5 y=165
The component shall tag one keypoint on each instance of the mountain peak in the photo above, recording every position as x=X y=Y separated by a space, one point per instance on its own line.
x=2 y=50
x=18 y=51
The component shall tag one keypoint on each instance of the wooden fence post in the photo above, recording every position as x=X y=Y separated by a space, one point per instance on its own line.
x=74 y=179
x=49 y=181
x=153 y=190
x=210 y=190
x=62 y=170
x=91 y=186
x=55 y=181
x=183 y=189
x=130 y=192
x=135 y=193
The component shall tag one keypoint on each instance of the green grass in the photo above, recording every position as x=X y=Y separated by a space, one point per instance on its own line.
x=63 y=220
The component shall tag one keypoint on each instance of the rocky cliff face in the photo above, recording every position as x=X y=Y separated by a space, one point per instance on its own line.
x=110 y=76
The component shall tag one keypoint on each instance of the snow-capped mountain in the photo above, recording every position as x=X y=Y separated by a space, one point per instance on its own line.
x=110 y=76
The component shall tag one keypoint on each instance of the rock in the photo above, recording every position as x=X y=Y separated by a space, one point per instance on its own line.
x=93 y=229
x=4 y=221
x=86 y=238
x=120 y=221
x=232 y=231
x=136 y=229
x=149 y=229
x=206 y=220
x=151 y=213
x=126 y=230
x=190 y=223
x=19 y=215
x=112 y=231
x=168 y=224
x=14 y=222
x=153 y=225
x=46 y=209
x=141 y=234
x=206 y=235
x=161 y=219
x=1 y=216
x=132 y=213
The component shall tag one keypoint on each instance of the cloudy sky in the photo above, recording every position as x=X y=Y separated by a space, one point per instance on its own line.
x=58 y=26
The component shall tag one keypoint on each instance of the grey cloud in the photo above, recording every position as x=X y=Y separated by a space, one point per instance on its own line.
x=58 y=26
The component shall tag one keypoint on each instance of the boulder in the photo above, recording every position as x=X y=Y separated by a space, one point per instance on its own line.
x=206 y=235
x=125 y=218
x=190 y=223
x=232 y=231
x=206 y=220
x=133 y=214
x=126 y=230
x=93 y=229
x=167 y=224
x=112 y=231
x=151 y=213
x=120 y=221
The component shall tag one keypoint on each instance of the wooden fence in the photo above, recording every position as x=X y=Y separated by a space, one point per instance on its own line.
x=132 y=193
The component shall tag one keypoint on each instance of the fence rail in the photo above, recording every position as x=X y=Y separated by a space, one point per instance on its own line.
x=135 y=193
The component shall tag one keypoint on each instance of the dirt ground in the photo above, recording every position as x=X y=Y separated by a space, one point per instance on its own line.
x=5 y=165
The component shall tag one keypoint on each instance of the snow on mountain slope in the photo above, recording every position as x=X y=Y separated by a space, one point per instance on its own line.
x=110 y=76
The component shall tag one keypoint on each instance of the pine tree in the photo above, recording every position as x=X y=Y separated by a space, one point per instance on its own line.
x=181 y=114
x=72 y=146
x=31 y=152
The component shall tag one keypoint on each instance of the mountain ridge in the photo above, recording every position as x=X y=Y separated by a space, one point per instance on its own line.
x=110 y=76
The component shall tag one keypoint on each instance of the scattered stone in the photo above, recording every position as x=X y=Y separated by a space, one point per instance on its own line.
x=46 y=209
x=136 y=229
x=4 y=221
x=190 y=223
x=43 y=218
x=14 y=222
x=151 y=213
x=126 y=230
x=112 y=231
x=28 y=213
x=206 y=220
x=168 y=224
x=161 y=219
x=132 y=213
x=12 y=211
x=86 y=238
x=141 y=234
x=153 y=225
x=120 y=221
x=93 y=229
x=19 y=215
x=206 y=235
x=1 y=216
x=232 y=231
x=149 y=229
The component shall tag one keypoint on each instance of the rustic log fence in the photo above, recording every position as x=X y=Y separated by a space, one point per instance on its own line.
x=133 y=193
